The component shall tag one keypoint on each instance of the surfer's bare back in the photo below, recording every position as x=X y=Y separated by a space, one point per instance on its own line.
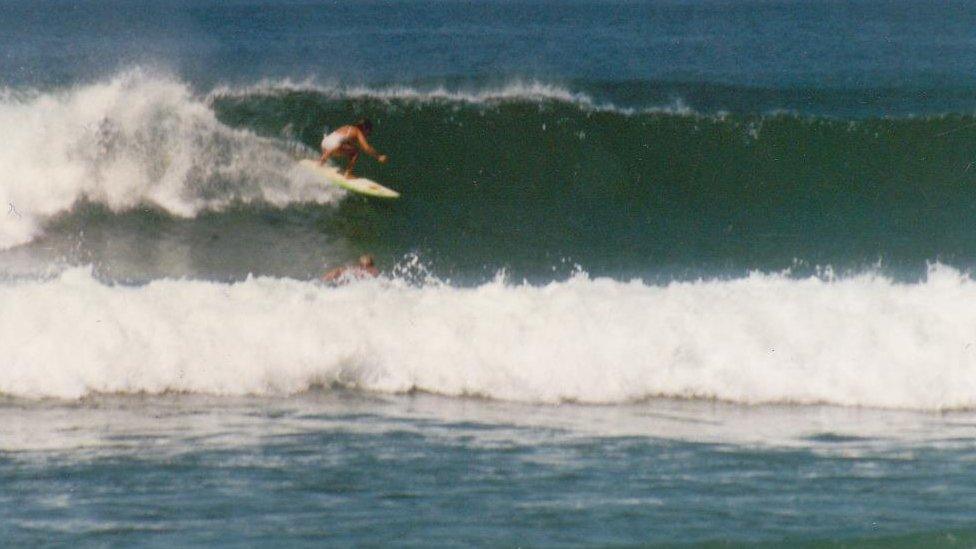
x=348 y=141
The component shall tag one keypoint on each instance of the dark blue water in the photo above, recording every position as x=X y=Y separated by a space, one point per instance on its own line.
x=895 y=55
x=348 y=470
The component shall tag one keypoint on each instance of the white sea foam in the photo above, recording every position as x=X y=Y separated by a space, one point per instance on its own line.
x=136 y=139
x=860 y=341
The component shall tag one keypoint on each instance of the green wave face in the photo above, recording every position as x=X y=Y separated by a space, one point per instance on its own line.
x=536 y=185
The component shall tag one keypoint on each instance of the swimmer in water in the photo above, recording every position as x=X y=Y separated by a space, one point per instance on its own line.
x=359 y=271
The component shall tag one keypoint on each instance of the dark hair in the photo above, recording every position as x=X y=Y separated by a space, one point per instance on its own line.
x=365 y=125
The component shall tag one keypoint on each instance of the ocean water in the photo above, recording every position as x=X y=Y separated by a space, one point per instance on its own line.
x=667 y=273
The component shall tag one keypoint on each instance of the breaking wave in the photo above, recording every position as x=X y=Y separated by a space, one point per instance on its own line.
x=857 y=341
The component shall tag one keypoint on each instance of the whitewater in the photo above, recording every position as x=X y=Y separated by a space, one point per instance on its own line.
x=860 y=341
x=137 y=139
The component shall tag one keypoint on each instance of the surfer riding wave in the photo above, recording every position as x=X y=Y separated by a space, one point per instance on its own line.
x=349 y=141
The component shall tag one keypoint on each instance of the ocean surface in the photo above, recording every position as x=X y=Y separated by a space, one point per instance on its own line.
x=663 y=272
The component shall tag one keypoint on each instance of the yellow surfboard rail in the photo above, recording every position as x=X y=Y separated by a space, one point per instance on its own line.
x=359 y=185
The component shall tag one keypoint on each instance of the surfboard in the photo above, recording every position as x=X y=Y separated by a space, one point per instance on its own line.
x=359 y=185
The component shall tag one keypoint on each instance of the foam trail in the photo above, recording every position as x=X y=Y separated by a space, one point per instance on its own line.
x=861 y=341
x=136 y=139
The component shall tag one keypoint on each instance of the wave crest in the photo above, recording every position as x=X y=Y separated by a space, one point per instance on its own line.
x=531 y=91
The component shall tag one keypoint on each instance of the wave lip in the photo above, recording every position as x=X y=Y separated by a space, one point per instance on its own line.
x=531 y=91
x=136 y=139
x=512 y=91
x=861 y=341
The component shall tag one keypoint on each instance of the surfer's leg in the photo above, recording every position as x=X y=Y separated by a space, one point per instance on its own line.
x=352 y=162
x=350 y=152
x=326 y=153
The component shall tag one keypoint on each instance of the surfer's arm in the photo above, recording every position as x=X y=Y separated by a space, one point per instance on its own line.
x=333 y=274
x=364 y=145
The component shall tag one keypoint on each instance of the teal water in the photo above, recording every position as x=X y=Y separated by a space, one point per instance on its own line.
x=657 y=195
x=641 y=194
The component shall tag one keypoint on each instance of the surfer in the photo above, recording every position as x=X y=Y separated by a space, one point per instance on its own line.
x=362 y=270
x=349 y=141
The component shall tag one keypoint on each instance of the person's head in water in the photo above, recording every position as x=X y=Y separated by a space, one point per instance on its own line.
x=365 y=260
x=365 y=126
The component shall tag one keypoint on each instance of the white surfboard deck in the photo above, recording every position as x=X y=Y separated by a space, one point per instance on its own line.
x=359 y=185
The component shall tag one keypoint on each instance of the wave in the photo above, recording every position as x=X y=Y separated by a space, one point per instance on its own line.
x=519 y=176
x=137 y=139
x=628 y=191
x=766 y=338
